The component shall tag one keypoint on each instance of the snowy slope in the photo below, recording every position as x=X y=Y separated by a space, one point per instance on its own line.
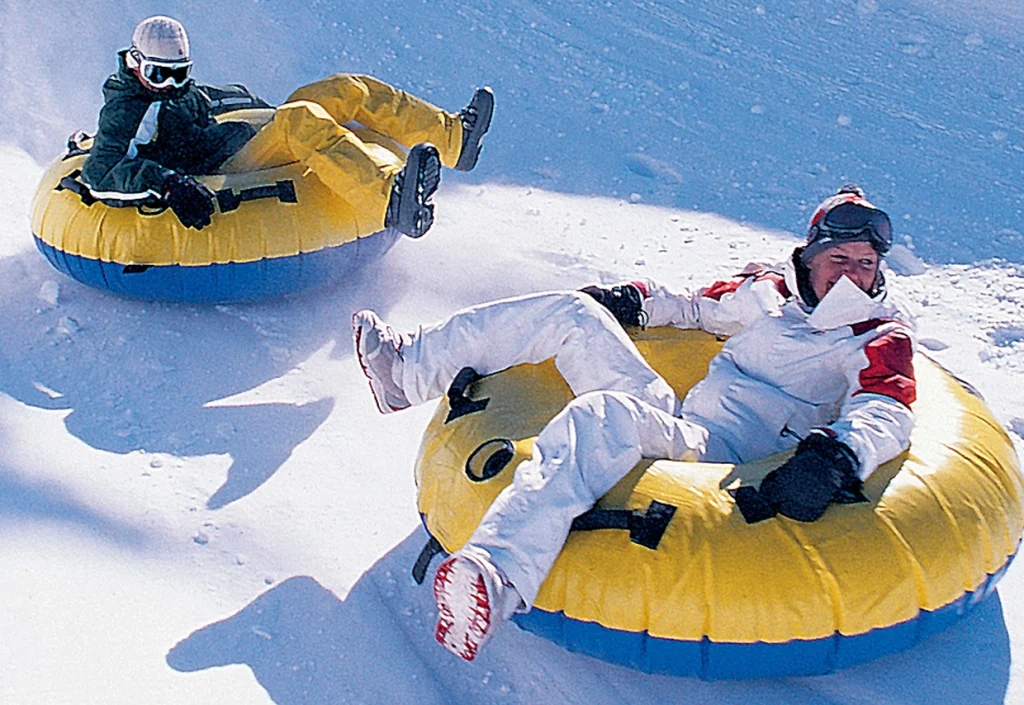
x=739 y=107
x=201 y=503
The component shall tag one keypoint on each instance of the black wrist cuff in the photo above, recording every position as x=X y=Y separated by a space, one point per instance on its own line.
x=835 y=452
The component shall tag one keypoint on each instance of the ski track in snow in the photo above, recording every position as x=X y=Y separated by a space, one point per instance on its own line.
x=185 y=490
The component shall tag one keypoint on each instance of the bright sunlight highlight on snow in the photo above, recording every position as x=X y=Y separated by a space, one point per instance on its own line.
x=202 y=504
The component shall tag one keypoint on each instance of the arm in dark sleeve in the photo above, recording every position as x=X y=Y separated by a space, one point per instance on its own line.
x=112 y=168
x=200 y=144
x=218 y=142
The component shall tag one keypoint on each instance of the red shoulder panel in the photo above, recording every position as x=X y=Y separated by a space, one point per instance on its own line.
x=890 y=370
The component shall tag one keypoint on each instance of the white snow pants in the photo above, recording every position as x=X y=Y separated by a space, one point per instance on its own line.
x=590 y=349
x=623 y=412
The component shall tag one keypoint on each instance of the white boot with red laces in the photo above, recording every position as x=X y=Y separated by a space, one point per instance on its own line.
x=473 y=599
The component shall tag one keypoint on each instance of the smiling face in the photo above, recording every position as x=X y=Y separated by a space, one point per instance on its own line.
x=856 y=260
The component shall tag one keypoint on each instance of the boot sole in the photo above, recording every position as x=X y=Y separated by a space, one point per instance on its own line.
x=483 y=101
x=415 y=214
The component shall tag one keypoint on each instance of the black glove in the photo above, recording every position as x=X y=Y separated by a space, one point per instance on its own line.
x=624 y=301
x=752 y=504
x=190 y=200
x=822 y=471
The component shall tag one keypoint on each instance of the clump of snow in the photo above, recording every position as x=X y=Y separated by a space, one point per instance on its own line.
x=653 y=168
x=48 y=293
x=902 y=260
x=1017 y=426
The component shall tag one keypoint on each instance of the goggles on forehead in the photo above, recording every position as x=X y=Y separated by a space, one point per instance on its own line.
x=162 y=74
x=853 y=222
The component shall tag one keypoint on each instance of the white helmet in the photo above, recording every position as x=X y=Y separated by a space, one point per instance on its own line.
x=160 y=54
x=161 y=38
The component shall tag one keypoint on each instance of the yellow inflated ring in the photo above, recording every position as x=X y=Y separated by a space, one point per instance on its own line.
x=716 y=597
x=298 y=233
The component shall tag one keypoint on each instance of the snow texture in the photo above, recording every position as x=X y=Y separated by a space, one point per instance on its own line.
x=202 y=504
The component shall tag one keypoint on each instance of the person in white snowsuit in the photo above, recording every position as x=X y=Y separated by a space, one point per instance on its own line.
x=819 y=358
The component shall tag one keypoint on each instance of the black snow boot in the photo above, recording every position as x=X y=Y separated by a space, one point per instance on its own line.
x=409 y=210
x=476 y=120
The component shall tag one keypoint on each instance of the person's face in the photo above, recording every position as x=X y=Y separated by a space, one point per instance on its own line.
x=856 y=260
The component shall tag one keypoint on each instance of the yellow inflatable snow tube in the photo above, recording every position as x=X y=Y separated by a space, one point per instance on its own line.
x=276 y=231
x=666 y=576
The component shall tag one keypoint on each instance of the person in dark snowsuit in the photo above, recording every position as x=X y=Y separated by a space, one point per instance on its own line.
x=157 y=130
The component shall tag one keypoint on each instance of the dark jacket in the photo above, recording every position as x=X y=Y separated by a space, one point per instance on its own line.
x=143 y=137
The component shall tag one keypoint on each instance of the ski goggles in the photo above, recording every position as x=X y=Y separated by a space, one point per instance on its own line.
x=853 y=222
x=162 y=74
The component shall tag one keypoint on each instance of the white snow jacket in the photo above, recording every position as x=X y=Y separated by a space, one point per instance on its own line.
x=844 y=366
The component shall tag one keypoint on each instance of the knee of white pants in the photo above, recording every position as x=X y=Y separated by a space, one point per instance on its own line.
x=620 y=428
x=500 y=334
x=595 y=437
x=603 y=356
x=589 y=312
x=574 y=310
x=605 y=406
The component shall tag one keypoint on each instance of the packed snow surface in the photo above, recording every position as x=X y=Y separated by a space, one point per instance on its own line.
x=202 y=504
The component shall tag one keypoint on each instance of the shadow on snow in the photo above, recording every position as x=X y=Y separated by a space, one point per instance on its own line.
x=306 y=645
x=138 y=376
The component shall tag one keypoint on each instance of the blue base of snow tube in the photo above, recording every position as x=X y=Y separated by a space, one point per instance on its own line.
x=224 y=283
x=709 y=660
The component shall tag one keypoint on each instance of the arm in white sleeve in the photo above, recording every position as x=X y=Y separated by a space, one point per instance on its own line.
x=876 y=419
x=723 y=308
